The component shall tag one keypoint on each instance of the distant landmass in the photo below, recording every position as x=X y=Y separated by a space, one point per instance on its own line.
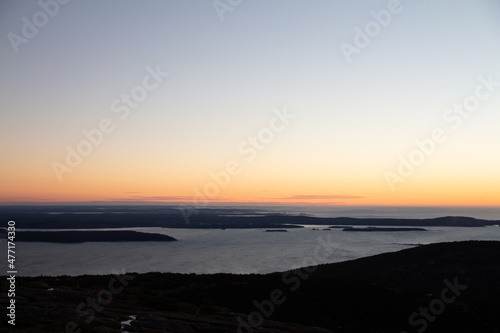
x=446 y=221
x=90 y=236
x=88 y=217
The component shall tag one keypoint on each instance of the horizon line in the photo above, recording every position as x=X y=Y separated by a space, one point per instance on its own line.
x=215 y=204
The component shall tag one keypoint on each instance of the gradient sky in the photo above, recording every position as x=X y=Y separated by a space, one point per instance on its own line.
x=353 y=121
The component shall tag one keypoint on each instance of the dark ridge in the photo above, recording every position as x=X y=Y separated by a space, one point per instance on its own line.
x=425 y=267
x=90 y=236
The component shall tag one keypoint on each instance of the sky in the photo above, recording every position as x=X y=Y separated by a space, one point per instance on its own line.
x=292 y=102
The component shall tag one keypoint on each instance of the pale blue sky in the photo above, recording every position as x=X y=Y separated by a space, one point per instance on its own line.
x=227 y=76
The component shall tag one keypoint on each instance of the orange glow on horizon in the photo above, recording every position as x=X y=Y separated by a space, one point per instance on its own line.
x=195 y=186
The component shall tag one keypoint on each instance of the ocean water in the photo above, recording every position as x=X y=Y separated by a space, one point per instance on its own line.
x=230 y=250
x=410 y=212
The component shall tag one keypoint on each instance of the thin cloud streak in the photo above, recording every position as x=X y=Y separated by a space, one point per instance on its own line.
x=321 y=197
x=161 y=198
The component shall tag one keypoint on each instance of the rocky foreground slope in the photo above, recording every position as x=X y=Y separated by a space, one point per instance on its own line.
x=447 y=287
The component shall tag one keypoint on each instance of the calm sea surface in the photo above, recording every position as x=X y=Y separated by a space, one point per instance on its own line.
x=245 y=250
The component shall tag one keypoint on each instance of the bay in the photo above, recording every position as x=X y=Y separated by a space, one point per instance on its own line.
x=228 y=251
